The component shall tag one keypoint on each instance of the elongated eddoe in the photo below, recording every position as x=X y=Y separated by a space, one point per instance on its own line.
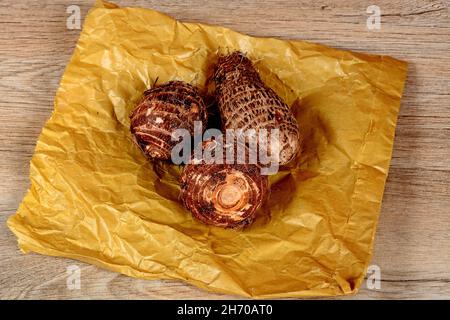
x=245 y=102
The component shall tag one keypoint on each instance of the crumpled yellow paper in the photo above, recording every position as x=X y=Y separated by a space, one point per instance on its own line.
x=94 y=196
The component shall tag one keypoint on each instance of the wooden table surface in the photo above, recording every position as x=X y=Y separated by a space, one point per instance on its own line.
x=412 y=245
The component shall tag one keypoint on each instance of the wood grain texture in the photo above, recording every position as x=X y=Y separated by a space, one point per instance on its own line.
x=413 y=238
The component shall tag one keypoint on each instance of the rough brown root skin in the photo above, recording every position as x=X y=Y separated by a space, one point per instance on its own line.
x=245 y=102
x=163 y=109
x=223 y=195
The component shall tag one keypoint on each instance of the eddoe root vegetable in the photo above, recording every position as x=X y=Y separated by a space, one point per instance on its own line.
x=163 y=109
x=223 y=195
x=245 y=102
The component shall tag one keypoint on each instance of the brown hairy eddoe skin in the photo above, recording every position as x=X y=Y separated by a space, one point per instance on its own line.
x=163 y=109
x=223 y=195
x=245 y=102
